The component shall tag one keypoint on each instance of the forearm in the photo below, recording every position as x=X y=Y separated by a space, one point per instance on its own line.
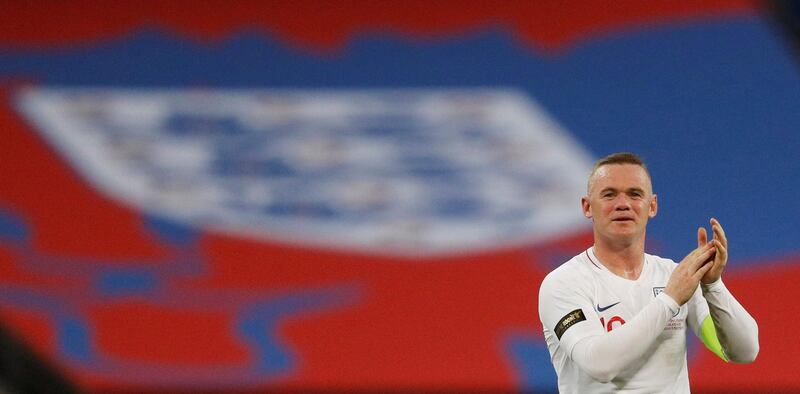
x=603 y=357
x=736 y=329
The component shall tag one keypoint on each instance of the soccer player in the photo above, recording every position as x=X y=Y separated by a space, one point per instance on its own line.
x=615 y=317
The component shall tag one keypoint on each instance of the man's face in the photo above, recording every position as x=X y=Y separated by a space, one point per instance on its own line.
x=620 y=202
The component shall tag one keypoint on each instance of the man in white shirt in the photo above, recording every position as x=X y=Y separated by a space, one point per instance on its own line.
x=615 y=318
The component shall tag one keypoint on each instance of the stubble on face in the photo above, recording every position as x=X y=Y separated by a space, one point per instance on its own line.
x=620 y=201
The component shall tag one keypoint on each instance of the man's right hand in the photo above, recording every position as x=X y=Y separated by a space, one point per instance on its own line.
x=684 y=280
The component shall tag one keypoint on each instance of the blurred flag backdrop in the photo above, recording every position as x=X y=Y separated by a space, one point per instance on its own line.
x=356 y=195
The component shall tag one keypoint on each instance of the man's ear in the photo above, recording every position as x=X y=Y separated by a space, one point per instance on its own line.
x=653 y=207
x=587 y=209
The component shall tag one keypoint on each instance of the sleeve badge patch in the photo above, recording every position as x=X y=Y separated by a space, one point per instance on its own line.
x=569 y=320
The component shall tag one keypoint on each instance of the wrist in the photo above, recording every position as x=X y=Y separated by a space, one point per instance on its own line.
x=713 y=286
x=669 y=302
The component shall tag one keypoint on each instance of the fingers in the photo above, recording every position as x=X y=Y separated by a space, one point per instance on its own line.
x=702 y=271
x=706 y=255
x=719 y=233
x=700 y=256
x=702 y=237
x=721 y=250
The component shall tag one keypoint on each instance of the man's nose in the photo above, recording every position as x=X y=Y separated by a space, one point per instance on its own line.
x=622 y=203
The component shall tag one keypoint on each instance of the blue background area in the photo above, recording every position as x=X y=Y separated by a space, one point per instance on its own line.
x=712 y=106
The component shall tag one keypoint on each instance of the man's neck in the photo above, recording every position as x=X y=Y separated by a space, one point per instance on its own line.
x=624 y=260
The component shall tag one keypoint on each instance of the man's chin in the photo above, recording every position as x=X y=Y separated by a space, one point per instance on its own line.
x=625 y=231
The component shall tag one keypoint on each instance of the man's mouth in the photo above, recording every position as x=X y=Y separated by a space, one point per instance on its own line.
x=622 y=220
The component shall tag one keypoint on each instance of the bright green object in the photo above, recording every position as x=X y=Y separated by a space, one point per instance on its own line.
x=708 y=334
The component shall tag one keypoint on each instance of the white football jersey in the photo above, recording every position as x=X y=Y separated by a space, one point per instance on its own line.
x=582 y=298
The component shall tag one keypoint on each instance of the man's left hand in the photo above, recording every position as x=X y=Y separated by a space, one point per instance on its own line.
x=721 y=255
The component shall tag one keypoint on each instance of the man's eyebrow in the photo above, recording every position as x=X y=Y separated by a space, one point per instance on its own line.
x=613 y=189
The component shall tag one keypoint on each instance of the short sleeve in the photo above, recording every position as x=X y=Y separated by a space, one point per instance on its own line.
x=567 y=312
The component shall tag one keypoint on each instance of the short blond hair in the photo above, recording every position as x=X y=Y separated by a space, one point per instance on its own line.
x=618 y=158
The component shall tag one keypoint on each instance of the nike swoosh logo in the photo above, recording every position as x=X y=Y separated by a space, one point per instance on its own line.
x=600 y=309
